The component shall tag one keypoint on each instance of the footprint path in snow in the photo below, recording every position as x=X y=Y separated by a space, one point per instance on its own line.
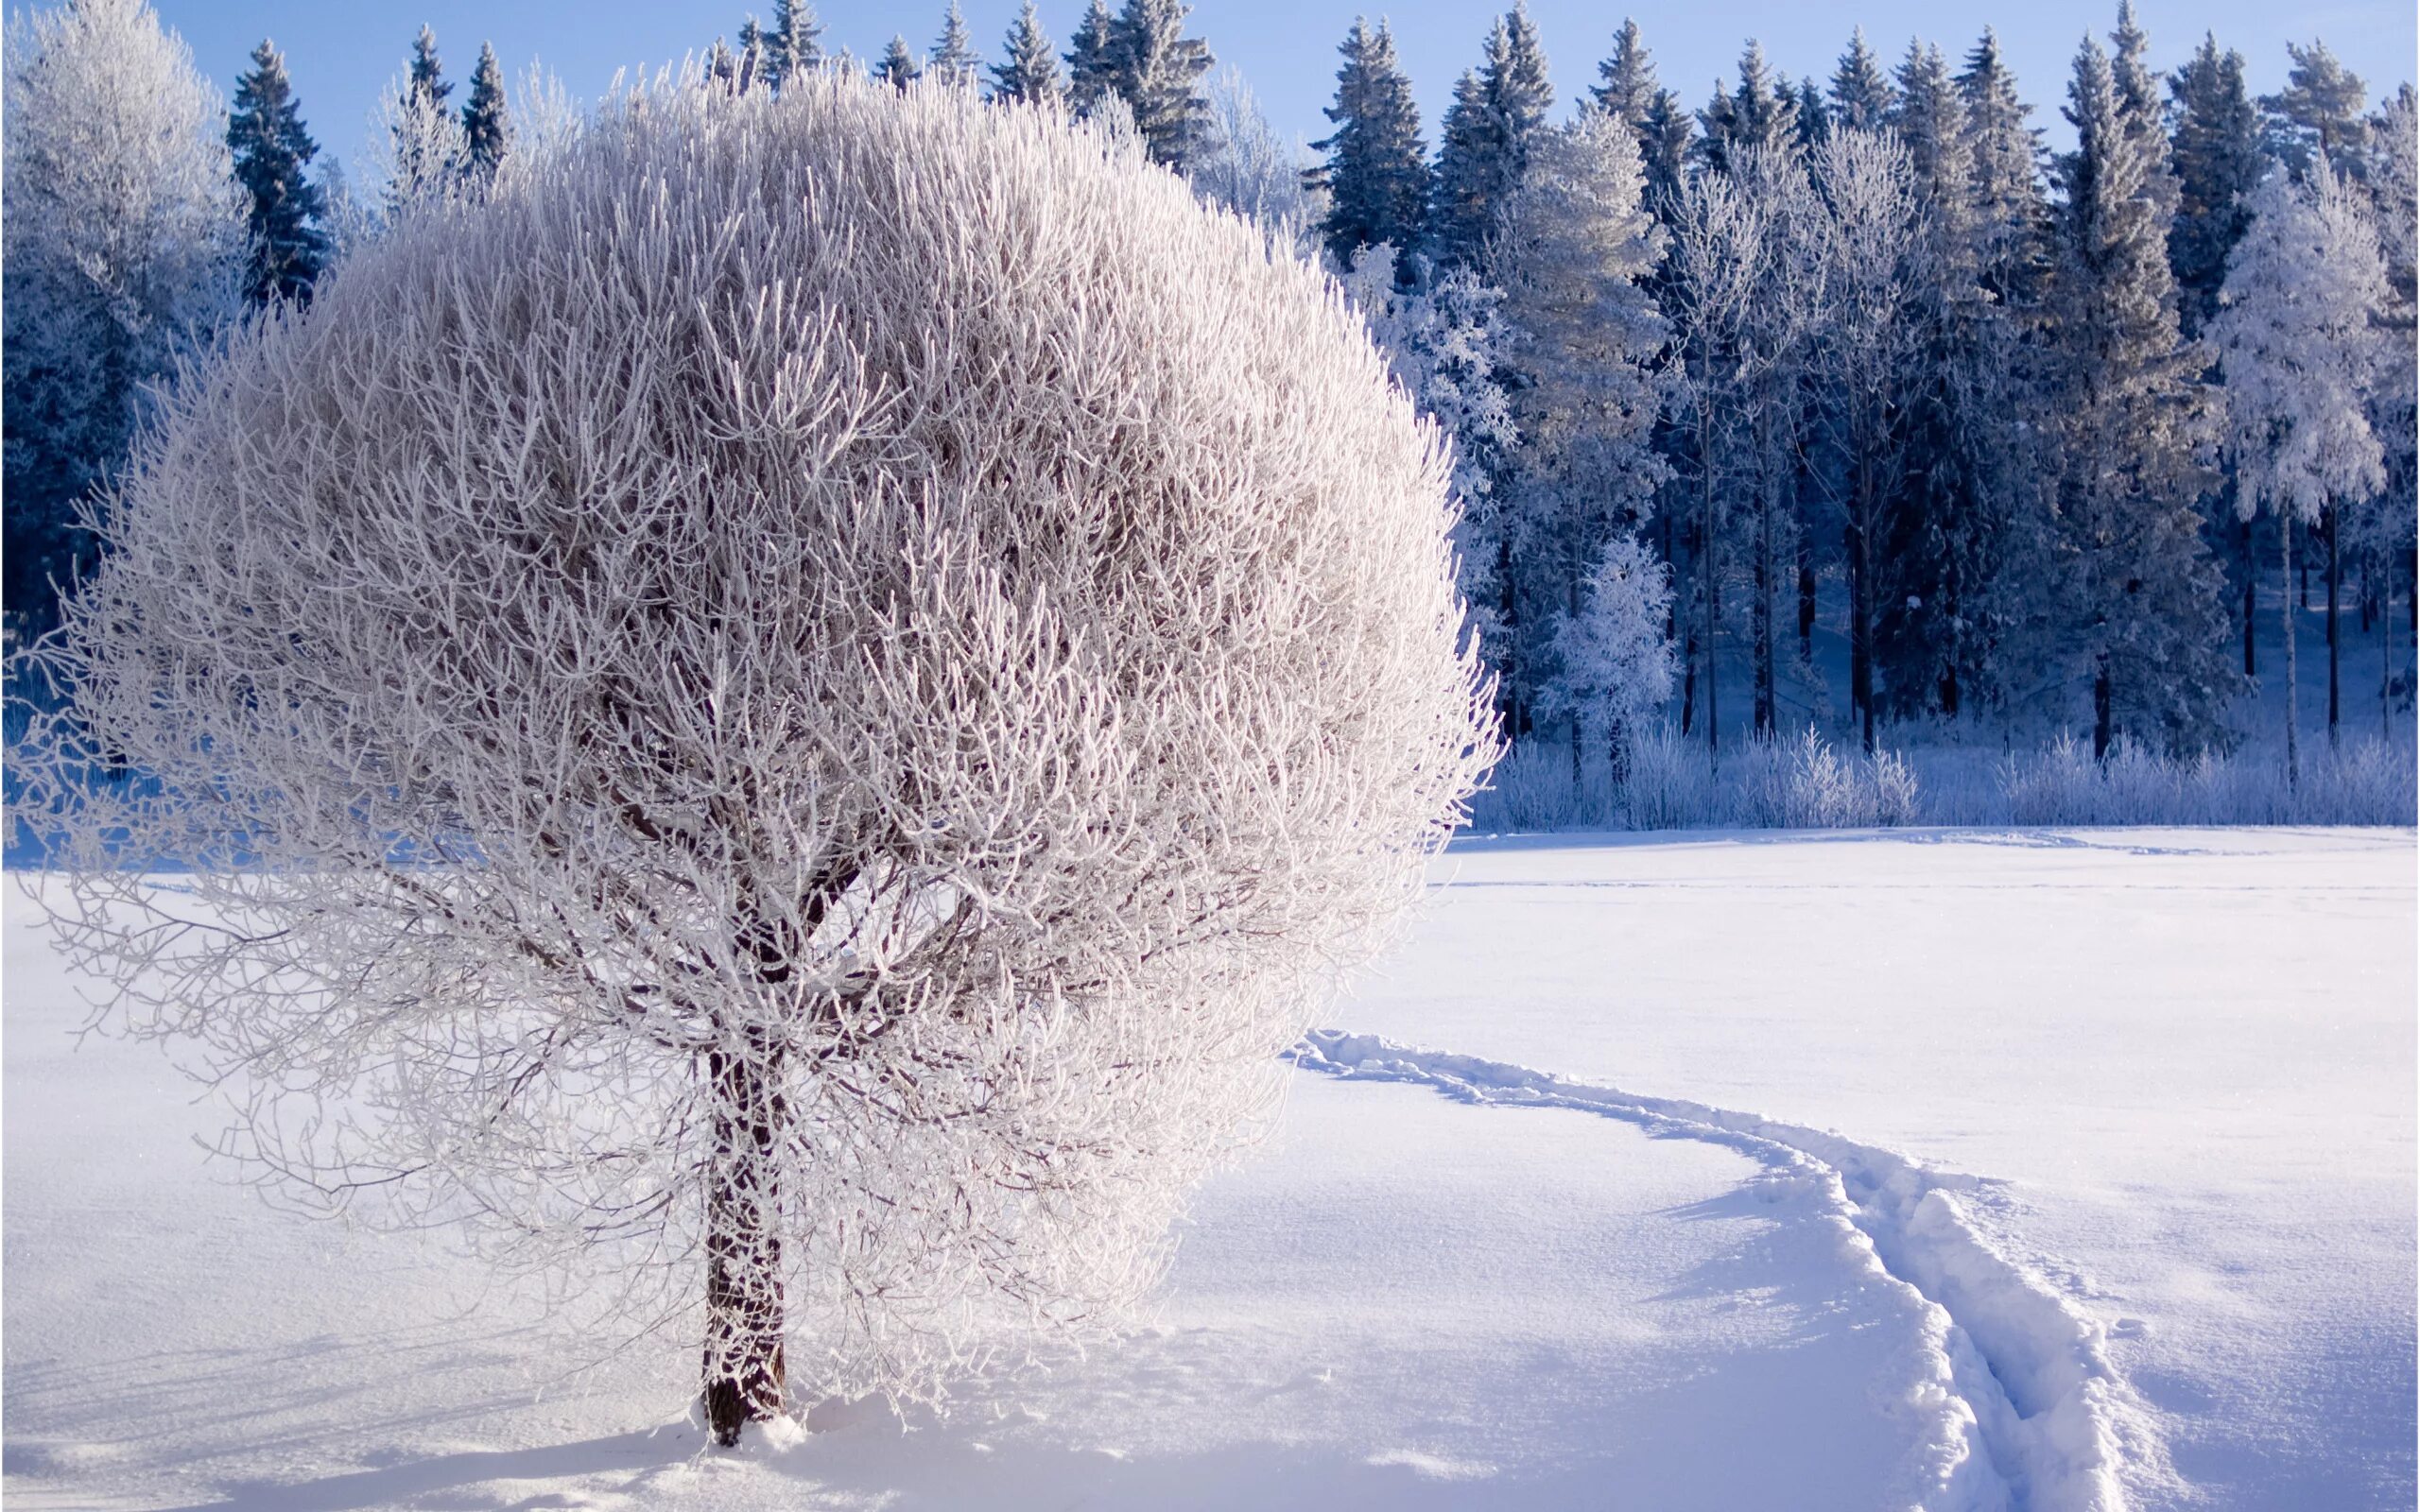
x=2030 y=1415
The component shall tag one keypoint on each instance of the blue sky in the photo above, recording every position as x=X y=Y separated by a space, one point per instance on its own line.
x=342 y=52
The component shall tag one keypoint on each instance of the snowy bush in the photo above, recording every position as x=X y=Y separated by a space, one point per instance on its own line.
x=810 y=695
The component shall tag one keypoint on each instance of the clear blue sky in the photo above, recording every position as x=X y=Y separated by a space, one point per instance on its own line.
x=342 y=52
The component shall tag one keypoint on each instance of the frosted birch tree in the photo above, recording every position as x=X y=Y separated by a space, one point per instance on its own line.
x=2293 y=334
x=819 y=742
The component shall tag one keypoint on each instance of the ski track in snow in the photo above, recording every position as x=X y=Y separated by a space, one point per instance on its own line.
x=2030 y=1415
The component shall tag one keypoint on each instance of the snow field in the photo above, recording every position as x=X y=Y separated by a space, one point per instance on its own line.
x=2079 y=1174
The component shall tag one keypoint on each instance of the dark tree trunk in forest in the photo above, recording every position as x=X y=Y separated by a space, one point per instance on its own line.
x=2103 y=706
x=2250 y=576
x=2285 y=569
x=1710 y=572
x=744 y=1315
x=2335 y=578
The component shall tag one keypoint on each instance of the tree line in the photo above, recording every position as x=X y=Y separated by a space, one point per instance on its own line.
x=1697 y=362
x=2024 y=405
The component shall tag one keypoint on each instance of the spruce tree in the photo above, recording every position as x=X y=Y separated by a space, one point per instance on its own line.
x=1753 y=114
x=1930 y=643
x=285 y=208
x=427 y=143
x=1665 y=141
x=1862 y=97
x=1483 y=146
x=793 y=44
x=1814 y=117
x=2138 y=594
x=1377 y=167
x=898 y=67
x=1575 y=246
x=953 y=60
x=2011 y=215
x=2319 y=111
x=1030 y=74
x=487 y=131
x=1092 y=58
x=2219 y=159
x=1158 y=69
x=1626 y=80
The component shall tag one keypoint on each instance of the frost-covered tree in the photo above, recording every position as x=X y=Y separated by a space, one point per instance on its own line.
x=273 y=152
x=487 y=124
x=1753 y=114
x=952 y=60
x=2011 y=217
x=793 y=44
x=1029 y=74
x=2138 y=592
x=1092 y=58
x=1613 y=653
x=2319 y=111
x=1157 y=68
x=2296 y=340
x=1376 y=172
x=123 y=245
x=898 y=67
x=1862 y=96
x=793 y=789
x=1244 y=166
x=423 y=140
x=1871 y=336
x=1447 y=345
x=1573 y=250
x=1483 y=145
x=1664 y=142
x=1625 y=85
x=1736 y=292
x=2218 y=159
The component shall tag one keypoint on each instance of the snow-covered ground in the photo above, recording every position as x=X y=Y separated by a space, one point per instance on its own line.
x=1962 y=1170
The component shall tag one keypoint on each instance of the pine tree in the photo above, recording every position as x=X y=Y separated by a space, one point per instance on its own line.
x=898 y=67
x=1944 y=543
x=2318 y=112
x=752 y=49
x=1030 y=74
x=1092 y=60
x=2219 y=160
x=721 y=67
x=1377 y=167
x=1483 y=146
x=426 y=143
x=793 y=44
x=487 y=131
x=1814 y=117
x=1626 y=87
x=953 y=60
x=273 y=152
x=1753 y=114
x=1158 y=69
x=1575 y=246
x=2011 y=215
x=2140 y=595
x=1862 y=97
x=1665 y=141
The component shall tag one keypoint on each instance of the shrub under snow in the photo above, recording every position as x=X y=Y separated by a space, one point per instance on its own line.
x=804 y=700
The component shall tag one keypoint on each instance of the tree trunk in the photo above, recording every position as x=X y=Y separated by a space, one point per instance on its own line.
x=2105 y=705
x=1709 y=565
x=2251 y=579
x=2335 y=578
x=743 y=1317
x=2286 y=566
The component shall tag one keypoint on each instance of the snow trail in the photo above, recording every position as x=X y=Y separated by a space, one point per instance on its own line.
x=2033 y=1416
